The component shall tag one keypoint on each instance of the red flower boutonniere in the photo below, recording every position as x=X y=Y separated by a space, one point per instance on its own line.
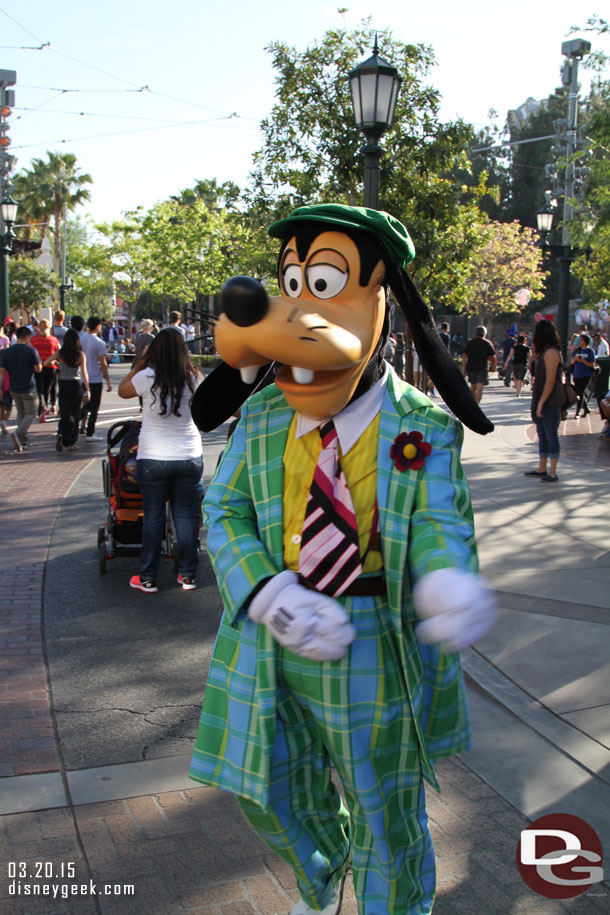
x=409 y=451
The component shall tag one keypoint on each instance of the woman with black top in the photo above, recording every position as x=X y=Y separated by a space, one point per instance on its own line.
x=518 y=356
x=72 y=379
x=548 y=398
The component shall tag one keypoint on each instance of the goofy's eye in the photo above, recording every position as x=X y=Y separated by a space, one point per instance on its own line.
x=325 y=281
x=292 y=280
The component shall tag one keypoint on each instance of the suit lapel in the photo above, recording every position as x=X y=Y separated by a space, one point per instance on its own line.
x=268 y=424
x=395 y=488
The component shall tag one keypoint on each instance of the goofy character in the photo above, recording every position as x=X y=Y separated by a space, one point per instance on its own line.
x=341 y=533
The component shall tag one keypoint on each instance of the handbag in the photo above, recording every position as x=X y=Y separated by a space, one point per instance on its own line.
x=571 y=396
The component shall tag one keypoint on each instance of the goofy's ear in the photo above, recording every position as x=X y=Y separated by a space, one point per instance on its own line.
x=434 y=355
x=221 y=395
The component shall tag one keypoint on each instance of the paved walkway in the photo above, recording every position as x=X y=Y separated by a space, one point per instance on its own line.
x=539 y=695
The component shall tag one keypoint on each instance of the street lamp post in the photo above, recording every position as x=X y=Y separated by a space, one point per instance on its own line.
x=8 y=209
x=565 y=255
x=374 y=84
x=63 y=288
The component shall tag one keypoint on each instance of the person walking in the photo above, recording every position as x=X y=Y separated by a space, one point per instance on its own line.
x=600 y=345
x=95 y=352
x=478 y=354
x=169 y=458
x=175 y=319
x=144 y=337
x=548 y=398
x=582 y=364
x=190 y=337
x=400 y=356
x=11 y=331
x=6 y=402
x=507 y=345
x=73 y=379
x=21 y=361
x=59 y=328
x=45 y=345
x=444 y=334
x=111 y=336
x=517 y=360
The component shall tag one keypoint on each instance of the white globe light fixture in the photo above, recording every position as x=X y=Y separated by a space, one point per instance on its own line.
x=374 y=84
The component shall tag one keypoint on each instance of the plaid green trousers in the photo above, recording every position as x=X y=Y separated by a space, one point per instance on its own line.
x=355 y=712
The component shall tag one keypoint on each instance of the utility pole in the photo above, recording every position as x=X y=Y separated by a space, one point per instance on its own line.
x=574 y=50
x=565 y=253
x=7 y=163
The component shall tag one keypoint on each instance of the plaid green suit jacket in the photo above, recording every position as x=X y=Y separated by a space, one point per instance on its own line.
x=426 y=523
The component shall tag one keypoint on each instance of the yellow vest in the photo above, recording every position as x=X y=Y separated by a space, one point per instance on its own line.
x=360 y=468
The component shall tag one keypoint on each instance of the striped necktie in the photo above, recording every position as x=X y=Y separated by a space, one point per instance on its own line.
x=329 y=557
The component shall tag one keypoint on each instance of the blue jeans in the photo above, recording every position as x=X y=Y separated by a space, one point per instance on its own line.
x=180 y=482
x=547 y=426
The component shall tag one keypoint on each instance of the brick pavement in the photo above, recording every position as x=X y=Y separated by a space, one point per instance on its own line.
x=34 y=485
x=188 y=852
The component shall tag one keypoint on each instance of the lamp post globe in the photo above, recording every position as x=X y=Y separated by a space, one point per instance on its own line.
x=544 y=220
x=8 y=208
x=374 y=84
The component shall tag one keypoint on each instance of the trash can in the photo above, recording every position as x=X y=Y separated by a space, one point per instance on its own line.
x=602 y=382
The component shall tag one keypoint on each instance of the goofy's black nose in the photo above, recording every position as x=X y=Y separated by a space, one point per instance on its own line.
x=244 y=301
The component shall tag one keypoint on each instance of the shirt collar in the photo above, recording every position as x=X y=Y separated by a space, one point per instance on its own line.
x=351 y=422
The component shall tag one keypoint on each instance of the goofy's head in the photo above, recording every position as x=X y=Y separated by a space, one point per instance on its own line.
x=329 y=326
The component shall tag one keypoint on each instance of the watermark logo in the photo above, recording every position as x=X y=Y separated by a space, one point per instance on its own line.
x=560 y=856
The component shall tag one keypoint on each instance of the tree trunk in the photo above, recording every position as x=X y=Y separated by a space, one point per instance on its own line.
x=131 y=305
x=57 y=206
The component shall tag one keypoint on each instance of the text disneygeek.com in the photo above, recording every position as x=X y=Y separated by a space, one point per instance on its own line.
x=32 y=878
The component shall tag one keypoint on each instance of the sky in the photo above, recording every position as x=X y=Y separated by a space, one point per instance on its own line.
x=151 y=96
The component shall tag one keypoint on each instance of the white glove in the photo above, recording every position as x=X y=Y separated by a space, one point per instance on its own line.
x=308 y=623
x=457 y=607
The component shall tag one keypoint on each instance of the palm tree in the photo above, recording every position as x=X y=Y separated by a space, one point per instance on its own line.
x=60 y=187
x=35 y=207
x=215 y=196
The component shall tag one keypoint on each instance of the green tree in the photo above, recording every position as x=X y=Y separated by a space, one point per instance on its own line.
x=127 y=258
x=527 y=161
x=57 y=184
x=35 y=206
x=311 y=150
x=190 y=250
x=489 y=158
x=507 y=259
x=89 y=265
x=216 y=196
x=30 y=285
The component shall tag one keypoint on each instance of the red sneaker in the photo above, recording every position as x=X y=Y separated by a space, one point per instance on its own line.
x=188 y=584
x=149 y=587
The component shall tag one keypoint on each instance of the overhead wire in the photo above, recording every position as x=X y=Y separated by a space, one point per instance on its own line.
x=20 y=117
x=47 y=46
x=119 y=133
x=94 y=114
x=31 y=34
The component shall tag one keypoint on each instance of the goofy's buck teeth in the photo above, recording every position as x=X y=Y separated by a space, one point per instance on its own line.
x=302 y=376
x=248 y=373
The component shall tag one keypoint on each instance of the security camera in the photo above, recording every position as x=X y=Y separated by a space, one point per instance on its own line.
x=577 y=47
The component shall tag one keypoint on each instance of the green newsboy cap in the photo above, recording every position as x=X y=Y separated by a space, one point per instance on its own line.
x=388 y=230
